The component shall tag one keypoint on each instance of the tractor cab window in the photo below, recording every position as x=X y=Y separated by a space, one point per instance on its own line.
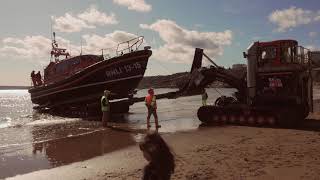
x=301 y=55
x=286 y=55
x=268 y=54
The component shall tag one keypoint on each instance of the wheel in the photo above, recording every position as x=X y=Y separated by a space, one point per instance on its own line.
x=204 y=114
x=224 y=118
x=251 y=120
x=232 y=119
x=242 y=119
x=261 y=120
x=270 y=120
x=215 y=118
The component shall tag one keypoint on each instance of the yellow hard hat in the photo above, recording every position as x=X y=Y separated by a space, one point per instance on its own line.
x=107 y=92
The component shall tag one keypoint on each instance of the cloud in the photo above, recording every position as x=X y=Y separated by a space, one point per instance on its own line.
x=69 y=23
x=317 y=16
x=94 y=43
x=313 y=34
x=292 y=17
x=37 y=48
x=136 y=5
x=88 y=19
x=179 y=43
x=29 y=47
x=313 y=47
x=93 y=16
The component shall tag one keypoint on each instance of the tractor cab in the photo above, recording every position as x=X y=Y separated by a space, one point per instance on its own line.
x=281 y=55
x=283 y=75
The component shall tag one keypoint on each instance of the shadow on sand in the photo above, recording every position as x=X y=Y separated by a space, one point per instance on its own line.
x=306 y=125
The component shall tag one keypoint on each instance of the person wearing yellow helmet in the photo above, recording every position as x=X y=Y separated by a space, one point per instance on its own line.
x=204 y=97
x=105 y=108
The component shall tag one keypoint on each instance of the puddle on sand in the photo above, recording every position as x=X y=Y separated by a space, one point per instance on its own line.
x=61 y=151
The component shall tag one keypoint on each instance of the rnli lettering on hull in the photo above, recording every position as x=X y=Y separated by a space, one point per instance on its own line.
x=123 y=69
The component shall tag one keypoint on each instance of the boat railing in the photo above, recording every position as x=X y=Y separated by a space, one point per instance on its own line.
x=129 y=46
x=124 y=47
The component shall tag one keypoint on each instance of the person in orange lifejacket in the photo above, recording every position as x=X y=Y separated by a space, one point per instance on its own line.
x=151 y=104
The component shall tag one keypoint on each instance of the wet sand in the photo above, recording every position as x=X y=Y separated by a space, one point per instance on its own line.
x=62 y=151
x=57 y=145
x=215 y=152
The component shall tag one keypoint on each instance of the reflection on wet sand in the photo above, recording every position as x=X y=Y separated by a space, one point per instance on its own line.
x=82 y=147
x=61 y=144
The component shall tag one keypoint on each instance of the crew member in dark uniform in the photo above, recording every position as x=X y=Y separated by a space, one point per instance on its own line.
x=33 y=78
x=39 y=78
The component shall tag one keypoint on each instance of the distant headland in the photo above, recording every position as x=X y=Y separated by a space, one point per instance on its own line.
x=13 y=87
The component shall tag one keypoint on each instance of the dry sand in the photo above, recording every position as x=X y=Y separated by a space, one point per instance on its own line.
x=216 y=152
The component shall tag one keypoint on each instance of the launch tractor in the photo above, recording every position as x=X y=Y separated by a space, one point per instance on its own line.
x=276 y=90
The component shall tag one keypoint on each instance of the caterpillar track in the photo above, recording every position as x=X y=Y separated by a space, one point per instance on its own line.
x=251 y=116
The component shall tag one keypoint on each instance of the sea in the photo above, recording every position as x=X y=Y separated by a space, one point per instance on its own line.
x=32 y=141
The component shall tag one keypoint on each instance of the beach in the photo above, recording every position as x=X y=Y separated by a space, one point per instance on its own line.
x=59 y=148
x=233 y=88
x=215 y=152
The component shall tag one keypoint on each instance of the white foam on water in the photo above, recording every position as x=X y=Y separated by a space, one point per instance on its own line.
x=51 y=121
x=5 y=122
x=14 y=91
x=84 y=128
x=26 y=116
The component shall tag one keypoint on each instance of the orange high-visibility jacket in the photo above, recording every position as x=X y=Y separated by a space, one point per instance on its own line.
x=151 y=101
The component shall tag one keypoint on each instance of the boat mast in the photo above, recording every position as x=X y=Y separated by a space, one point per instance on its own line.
x=56 y=51
x=81 y=46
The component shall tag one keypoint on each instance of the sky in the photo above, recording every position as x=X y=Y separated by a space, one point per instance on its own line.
x=173 y=28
